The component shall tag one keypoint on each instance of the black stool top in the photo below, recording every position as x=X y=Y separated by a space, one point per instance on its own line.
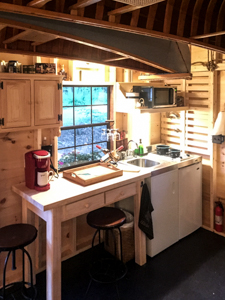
x=106 y=218
x=16 y=236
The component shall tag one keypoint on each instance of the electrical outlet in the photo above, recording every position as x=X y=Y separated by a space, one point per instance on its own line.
x=47 y=148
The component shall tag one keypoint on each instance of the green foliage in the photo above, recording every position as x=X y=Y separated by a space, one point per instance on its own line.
x=68 y=159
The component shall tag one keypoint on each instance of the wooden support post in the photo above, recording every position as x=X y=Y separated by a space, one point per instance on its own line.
x=53 y=255
x=28 y=217
x=139 y=236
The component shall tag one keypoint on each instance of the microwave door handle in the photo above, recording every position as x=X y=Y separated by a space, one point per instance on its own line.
x=174 y=98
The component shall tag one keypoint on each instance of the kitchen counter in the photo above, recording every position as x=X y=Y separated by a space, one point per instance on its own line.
x=66 y=200
x=63 y=191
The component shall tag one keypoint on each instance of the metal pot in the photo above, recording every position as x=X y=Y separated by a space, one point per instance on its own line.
x=174 y=153
x=162 y=149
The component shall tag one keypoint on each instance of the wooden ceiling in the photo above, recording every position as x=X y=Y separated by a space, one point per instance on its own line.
x=195 y=22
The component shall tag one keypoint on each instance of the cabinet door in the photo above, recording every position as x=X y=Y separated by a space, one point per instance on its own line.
x=164 y=197
x=16 y=103
x=190 y=199
x=47 y=102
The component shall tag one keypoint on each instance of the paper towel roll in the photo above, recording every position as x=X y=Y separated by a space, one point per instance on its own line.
x=219 y=127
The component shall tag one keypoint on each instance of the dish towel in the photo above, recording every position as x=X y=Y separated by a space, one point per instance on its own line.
x=145 y=217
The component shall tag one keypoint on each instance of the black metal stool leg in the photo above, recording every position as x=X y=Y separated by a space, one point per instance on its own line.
x=13 y=259
x=31 y=268
x=121 y=248
x=4 y=271
x=33 y=289
x=114 y=238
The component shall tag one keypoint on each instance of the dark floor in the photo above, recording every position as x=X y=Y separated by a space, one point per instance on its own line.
x=192 y=269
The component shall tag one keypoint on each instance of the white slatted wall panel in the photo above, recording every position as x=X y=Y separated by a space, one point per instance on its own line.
x=191 y=130
x=199 y=97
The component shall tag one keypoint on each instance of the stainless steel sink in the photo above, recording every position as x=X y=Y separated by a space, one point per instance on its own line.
x=143 y=162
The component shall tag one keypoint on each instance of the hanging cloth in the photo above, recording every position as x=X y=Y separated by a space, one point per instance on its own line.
x=145 y=217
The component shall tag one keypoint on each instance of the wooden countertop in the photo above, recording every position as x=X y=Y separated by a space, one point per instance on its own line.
x=63 y=191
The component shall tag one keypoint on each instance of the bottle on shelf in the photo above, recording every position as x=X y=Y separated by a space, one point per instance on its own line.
x=141 y=148
x=62 y=72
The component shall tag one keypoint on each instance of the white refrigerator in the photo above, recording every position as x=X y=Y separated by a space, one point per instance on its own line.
x=190 y=199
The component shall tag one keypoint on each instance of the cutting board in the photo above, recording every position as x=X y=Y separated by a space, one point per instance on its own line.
x=93 y=173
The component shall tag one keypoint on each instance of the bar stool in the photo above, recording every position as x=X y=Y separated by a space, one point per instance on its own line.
x=12 y=238
x=107 y=270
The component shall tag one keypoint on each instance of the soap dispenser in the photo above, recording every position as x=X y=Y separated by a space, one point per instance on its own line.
x=141 y=148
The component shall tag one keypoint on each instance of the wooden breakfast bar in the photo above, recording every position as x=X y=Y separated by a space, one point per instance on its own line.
x=66 y=200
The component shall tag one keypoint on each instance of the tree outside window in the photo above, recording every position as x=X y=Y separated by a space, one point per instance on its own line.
x=85 y=110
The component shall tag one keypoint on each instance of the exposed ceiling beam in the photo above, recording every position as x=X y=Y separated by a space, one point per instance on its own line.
x=206 y=35
x=2 y=26
x=166 y=76
x=32 y=35
x=82 y=58
x=116 y=59
x=123 y=10
x=37 y=3
x=19 y=36
x=82 y=4
x=43 y=42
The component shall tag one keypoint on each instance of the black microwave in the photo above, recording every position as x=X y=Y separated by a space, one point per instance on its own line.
x=157 y=97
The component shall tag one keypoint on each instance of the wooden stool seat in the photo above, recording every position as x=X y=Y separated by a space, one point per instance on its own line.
x=16 y=236
x=12 y=238
x=106 y=218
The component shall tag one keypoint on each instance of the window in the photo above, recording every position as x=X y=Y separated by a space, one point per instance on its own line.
x=85 y=110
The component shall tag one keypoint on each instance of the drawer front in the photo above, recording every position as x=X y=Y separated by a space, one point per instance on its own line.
x=84 y=206
x=120 y=193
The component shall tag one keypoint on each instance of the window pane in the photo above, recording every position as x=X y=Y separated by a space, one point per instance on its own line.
x=67 y=96
x=99 y=114
x=66 y=158
x=82 y=96
x=98 y=134
x=83 y=136
x=66 y=139
x=99 y=95
x=84 y=153
x=67 y=116
x=82 y=115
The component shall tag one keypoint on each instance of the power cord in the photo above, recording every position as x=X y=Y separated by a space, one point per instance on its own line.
x=56 y=175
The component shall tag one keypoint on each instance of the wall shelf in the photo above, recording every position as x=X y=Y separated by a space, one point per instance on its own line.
x=160 y=110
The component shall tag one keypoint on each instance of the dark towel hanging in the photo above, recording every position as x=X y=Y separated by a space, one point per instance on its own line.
x=145 y=217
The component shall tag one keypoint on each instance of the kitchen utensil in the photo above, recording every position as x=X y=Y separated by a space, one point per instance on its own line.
x=174 y=153
x=162 y=149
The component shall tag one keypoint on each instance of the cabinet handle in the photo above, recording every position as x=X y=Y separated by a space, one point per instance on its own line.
x=122 y=193
x=86 y=205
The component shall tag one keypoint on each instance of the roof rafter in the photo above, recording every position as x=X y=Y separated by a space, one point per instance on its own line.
x=83 y=3
x=37 y=3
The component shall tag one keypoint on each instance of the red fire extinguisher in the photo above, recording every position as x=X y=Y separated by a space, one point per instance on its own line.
x=219 y=216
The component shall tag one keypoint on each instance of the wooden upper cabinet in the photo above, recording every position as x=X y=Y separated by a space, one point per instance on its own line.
x=30 y=101
x=15 y=103
x=47 y=102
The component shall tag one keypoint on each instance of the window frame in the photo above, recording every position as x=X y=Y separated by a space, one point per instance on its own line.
x=92 y=125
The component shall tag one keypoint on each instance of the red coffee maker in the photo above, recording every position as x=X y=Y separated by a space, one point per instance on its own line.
x=37 y=166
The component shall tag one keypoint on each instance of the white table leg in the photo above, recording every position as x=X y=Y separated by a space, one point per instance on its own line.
x=139 y=236
x=28 y=217
x=53 y=254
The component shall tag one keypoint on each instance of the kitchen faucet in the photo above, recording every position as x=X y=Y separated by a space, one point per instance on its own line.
x=133 y=152
x=133 y=142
